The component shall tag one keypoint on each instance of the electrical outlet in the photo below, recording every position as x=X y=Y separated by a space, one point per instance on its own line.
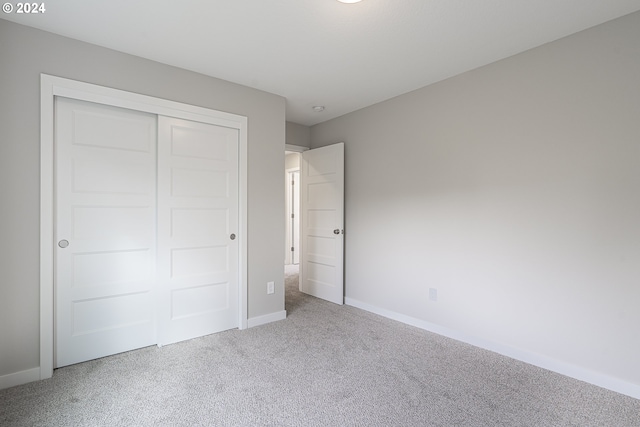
x=433 y=294
x=271 y=287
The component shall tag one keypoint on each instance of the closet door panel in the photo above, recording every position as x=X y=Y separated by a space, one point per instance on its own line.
x=197 y=216
x=105 y=214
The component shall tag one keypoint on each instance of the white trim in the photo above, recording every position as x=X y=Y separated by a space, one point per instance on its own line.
x=295 y=148
x=51 y=86
x=563 y=368
x=244 y=230
x=267 y=318
x=46 y=228
x=119 y=98
x=19 y=378
x=288 y=257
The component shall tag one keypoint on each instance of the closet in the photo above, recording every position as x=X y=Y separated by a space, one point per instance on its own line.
x=146 y=217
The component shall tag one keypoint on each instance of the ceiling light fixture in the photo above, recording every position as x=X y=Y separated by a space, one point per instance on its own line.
x=318 y=108
x=349 y=1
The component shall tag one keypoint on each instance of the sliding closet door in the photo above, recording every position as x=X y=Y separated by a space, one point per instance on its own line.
x=197 y=229
x=146 y=224
x=105 y=216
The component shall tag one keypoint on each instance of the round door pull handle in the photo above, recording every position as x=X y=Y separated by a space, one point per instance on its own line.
x=336 y=231
x=232 y=237
x=63 y=243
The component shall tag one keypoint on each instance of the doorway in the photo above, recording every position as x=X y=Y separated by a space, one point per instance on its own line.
x=292 y=225
x=320 y=228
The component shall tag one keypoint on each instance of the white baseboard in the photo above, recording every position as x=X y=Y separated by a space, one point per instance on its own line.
x=19 y=378
x=567 y=369
x=267 y=318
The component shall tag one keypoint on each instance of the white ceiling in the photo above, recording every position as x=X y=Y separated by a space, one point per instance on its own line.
x=322 y=52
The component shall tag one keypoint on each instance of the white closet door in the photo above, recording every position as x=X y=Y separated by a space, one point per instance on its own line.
x=105 y=214
x=197 y=229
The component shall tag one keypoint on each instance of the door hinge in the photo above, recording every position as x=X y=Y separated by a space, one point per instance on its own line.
x=292 y=215
x=292 y=249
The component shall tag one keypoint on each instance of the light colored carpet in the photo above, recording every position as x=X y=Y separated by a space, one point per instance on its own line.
x=325 y=365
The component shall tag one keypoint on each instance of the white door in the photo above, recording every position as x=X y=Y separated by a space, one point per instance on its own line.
x=322 y=223
x=197 y=229
x=105 y=180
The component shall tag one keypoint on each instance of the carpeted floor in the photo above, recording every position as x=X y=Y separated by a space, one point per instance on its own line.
x=325 y=365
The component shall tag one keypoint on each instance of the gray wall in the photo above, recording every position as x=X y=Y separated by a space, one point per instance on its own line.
x=298 y=134
x=513 y=189
x=24 y=54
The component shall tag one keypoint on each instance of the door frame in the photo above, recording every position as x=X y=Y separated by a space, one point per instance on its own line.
x=290 y=149
x=52 y=86
x=290 y=209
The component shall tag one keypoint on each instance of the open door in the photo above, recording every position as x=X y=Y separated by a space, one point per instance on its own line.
x=322 y=223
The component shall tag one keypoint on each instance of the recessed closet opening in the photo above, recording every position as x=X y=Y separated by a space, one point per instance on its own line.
x=143 y=222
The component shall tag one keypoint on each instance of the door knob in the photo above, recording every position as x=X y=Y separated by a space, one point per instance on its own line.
x=336 y=231
x=232 y=237
x=63 y=243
